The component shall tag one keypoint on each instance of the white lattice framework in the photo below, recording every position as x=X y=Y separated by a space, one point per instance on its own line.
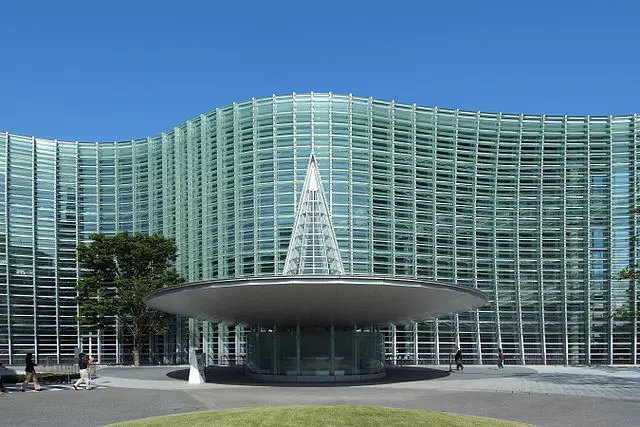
x=313 y=249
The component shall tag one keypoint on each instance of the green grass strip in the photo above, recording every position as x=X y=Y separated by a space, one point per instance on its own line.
x=311 y=416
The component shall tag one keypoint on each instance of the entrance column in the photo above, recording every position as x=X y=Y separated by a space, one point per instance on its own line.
x=275 y=349
x=356 y=355
x=298 y=349
x=332 y=353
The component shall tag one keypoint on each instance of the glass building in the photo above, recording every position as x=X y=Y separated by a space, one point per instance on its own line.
x=535 y=211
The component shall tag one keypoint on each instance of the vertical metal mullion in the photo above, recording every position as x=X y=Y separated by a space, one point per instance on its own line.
x=236 y=344
x=517 y=248
x=98 y=226
x=494 y=242
x=414 y=214
x=350 y=213
x=565 y=326
x=178 y=197
x=392 y=186
x=237 y=181
x=204 y=198
x=165 y=184
x=454 y=222
x=34 y=281
x=415 y=342
x=116 y=174
x=370 y=145
x=294 y=130
x=192 y=193
x=394 y=351
x=276 y=227
x=587 y=301
x=134 y=187
x=151 y=175
x=179 y=222
x=55 y=243
x=474 y=249
x=254 y=185
x=77 y=204
x=611 y=229
x=186 y=176
x=220 y=197
x=541 y=288
x=434 y=230
x=434 y=170
x=223 y=349
x=634 y=256
x=8 y=236
x=391 y=117
x=436 y=333
x=414 y=196
x=540 y=230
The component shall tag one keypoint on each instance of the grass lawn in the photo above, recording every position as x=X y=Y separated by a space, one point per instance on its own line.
x=311 y=416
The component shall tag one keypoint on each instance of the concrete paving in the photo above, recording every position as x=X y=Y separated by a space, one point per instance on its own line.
x=543 y=396
x=621 y=383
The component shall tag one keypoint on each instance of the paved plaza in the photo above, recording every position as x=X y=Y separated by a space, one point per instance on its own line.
x=537 y=395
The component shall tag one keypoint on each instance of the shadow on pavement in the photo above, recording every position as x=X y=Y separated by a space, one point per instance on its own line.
x=236 y=376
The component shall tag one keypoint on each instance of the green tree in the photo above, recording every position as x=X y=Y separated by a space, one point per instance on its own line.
x=122 y=270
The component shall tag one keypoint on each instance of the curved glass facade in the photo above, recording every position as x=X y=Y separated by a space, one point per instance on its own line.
x=536 y=211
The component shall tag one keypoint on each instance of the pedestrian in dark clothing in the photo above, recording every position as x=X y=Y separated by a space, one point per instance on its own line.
x=2 y=387
x=83 y=365
x=500 y=359
x=30 y=370
x=458 y=359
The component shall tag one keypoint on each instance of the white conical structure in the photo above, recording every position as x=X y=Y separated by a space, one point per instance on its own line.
x=313 y=248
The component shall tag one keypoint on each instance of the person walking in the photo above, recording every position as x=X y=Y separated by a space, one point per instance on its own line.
x=500 y=359
x=30 y=370
x=458 y=359
x=2 y=387
x=83 y=364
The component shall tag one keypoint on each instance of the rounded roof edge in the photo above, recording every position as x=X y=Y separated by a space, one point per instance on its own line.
x=316 y=299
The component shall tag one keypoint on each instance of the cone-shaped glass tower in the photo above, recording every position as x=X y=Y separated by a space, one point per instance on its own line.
x=313 y=249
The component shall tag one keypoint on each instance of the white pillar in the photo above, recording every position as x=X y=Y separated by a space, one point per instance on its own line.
x=196 y=364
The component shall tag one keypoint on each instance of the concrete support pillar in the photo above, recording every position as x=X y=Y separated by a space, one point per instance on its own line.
x=415 y=343
x=298 y=350
x=332 y=353
x=356 y=350
x=275 y=349
x=394 y=350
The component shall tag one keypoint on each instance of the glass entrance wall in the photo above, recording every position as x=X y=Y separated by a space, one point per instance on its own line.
x=315 y=351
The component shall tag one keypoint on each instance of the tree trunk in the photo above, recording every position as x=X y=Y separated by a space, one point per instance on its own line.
x=136 y=357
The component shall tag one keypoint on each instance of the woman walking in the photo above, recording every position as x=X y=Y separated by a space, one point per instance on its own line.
x=30 y=370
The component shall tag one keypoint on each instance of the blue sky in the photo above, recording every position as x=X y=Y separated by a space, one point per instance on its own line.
x=117 y=70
